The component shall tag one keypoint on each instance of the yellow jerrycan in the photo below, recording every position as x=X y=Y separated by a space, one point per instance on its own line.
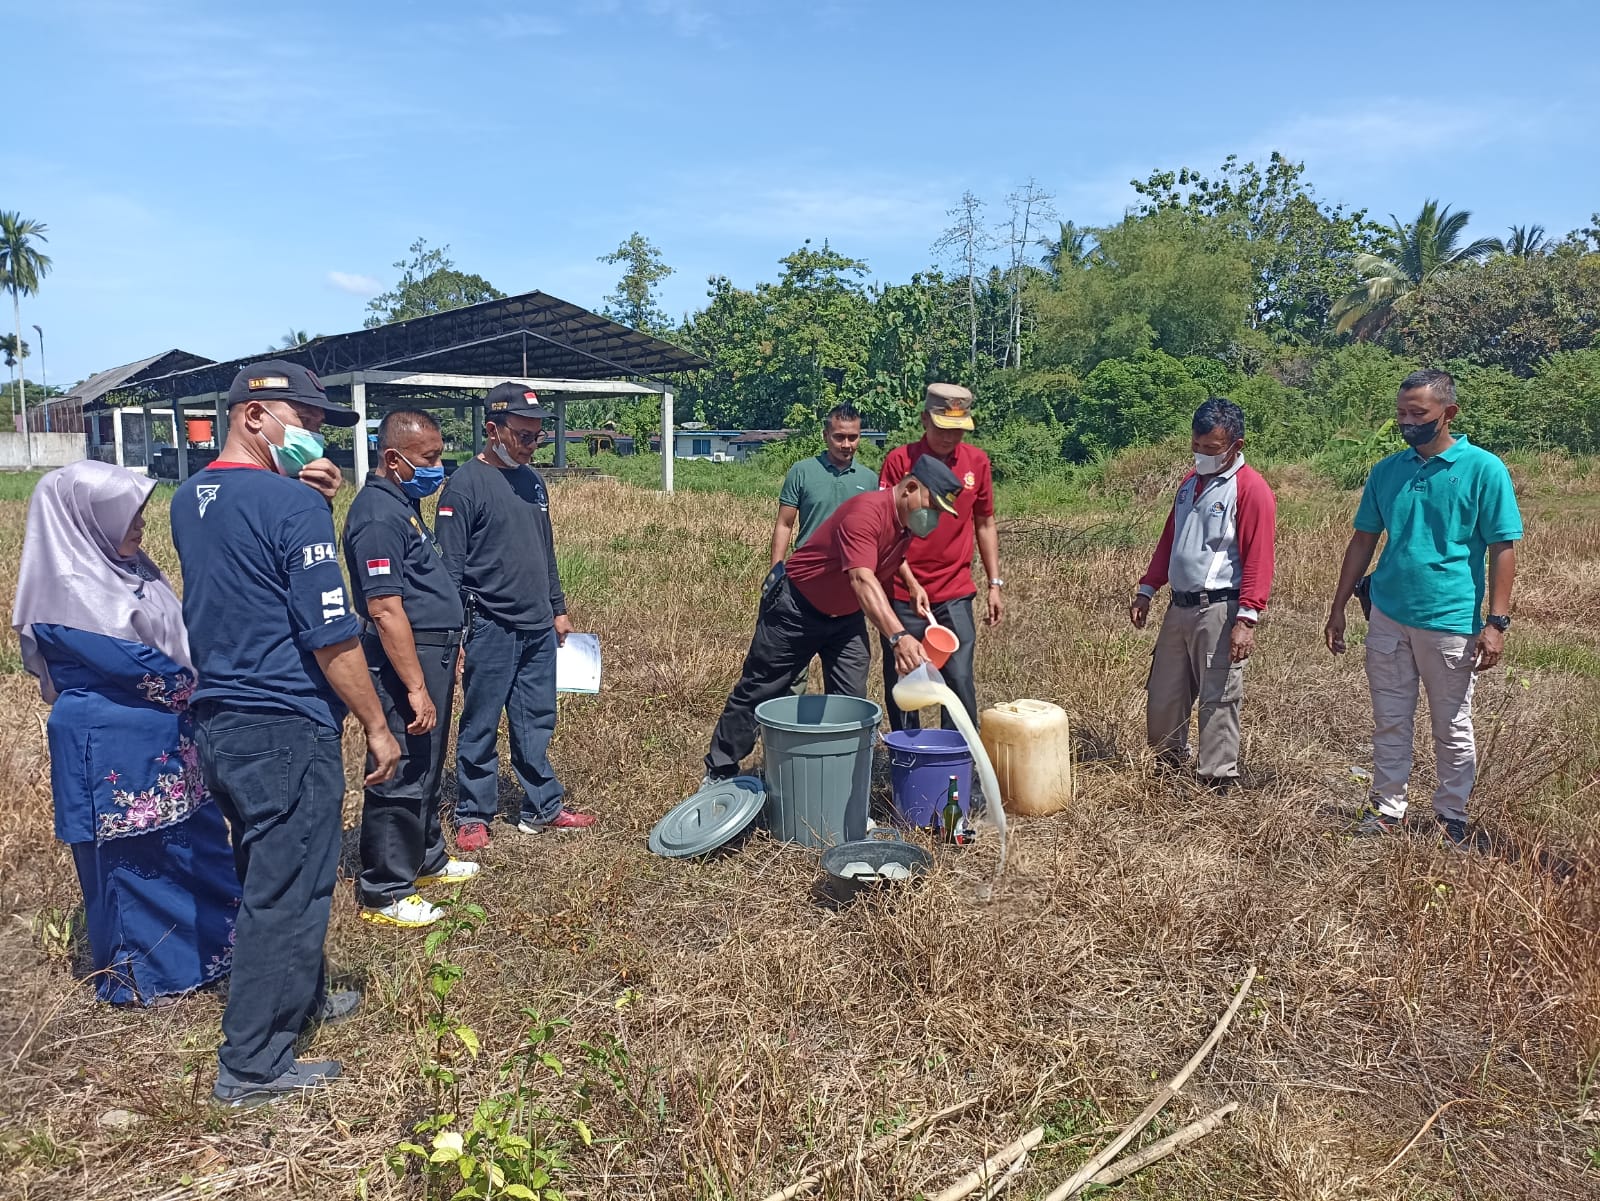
x=1030 y=745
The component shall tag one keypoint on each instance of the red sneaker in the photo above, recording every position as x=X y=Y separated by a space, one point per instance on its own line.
x=565 y=820
x=473 y=836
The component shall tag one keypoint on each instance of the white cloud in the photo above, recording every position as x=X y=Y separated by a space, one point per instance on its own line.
x=356 y=285
x=745 y=205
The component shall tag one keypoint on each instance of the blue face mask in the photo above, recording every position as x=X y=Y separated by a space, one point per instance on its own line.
x=424 y=481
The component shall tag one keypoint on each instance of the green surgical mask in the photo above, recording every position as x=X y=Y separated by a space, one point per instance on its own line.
x=299 y=447
x=922 y=522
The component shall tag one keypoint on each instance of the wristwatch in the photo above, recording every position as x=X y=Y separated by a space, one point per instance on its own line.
x=894 y=638
x=1498 y=621
x=997 y=582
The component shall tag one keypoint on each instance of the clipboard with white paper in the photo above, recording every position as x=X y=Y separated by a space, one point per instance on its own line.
x=578 y=664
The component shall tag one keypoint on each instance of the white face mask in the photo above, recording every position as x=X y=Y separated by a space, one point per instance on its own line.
x=503 y=454
x=1212 y=464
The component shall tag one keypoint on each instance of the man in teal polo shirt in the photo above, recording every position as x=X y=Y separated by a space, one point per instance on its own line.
x=1448 y=508
x=818 y=485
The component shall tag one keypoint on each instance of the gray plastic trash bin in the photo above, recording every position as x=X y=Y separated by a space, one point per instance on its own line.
x=818 y=766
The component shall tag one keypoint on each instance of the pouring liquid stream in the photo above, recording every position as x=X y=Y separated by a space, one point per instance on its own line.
x=912 y=694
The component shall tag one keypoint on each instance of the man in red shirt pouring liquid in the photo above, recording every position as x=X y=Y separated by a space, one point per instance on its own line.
x=819 y=603
x=942 y=563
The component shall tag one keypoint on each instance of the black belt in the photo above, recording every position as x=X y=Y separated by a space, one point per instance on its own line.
x=423 y=637
x=1193 y=600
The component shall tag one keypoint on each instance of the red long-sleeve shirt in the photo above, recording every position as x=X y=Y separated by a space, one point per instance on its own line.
x=1220 y=534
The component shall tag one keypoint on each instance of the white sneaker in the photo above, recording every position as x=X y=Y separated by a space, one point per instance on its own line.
x=410 y=912
x=454 y=871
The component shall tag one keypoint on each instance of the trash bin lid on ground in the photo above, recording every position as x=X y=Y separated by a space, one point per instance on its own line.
x=711 y=818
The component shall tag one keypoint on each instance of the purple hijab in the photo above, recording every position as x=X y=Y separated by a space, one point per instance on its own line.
x=72 y=574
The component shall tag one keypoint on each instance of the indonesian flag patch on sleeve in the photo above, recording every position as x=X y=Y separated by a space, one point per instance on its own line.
x=446 y=511
x=377 y=566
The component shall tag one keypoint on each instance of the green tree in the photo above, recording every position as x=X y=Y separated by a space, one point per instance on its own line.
x=1511 y=312
x=1415 y=254
x=1302 y=251
x=22 y=266
x=1068 y=251
x=1125 y=402
x=802 y=341
x=634 y=301
x=1165 y=281
x=429 y=283
x=1527 y=241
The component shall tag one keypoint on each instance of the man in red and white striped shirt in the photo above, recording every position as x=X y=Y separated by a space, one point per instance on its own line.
x=1217 y=554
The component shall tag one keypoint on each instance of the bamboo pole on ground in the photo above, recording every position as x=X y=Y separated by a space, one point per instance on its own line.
x=1173 y=1087
x=1193 y=1132
x=995 y=1164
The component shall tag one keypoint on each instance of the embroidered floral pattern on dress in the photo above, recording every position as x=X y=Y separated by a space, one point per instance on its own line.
x=157 y=691
x=173 y=796
x=221 y=963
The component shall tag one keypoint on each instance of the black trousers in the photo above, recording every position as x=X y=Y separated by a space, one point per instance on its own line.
x=400 y=834
x=958 y=673
x=279 y=779
x=789 y=631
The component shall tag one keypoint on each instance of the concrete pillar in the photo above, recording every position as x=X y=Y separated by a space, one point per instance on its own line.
x=358 y=402
x=561 y=431
x=116 y=437
x=149 y=453
x=180 y=436
x=219 y=432
x=477 y=426
x=666 y=439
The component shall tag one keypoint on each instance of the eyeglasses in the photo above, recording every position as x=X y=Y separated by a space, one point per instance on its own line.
x=523 y=437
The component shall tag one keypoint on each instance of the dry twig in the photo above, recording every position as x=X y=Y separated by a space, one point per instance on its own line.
x=806 y=1183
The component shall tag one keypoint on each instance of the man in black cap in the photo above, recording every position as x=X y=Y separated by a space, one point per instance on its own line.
x=276 y=651
x=411 y=623
x=494 y=530
x=819 y=603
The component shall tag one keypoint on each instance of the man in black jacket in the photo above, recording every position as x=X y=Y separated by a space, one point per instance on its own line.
x=494 y=530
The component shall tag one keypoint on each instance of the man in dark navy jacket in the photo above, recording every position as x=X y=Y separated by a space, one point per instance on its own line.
x=275 y=647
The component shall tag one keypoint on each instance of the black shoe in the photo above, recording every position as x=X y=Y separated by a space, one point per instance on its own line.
x=1218 y=784
x=336 y=1007
x=305 y=1075
x=1453 y=830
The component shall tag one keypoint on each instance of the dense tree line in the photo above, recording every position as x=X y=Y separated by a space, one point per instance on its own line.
x=1083 y=341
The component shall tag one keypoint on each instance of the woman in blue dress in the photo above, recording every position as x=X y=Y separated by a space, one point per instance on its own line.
x=103 y=631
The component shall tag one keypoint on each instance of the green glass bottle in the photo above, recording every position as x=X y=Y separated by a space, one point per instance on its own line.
x=952 y=811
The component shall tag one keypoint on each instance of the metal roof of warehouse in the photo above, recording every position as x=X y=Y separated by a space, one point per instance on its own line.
x=533 y=335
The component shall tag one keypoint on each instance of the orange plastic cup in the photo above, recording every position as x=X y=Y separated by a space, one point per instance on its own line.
x=939 y=643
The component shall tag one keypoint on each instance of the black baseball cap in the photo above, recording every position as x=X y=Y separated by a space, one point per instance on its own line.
x=940 y=481
x=516 y=400
x=275 y=379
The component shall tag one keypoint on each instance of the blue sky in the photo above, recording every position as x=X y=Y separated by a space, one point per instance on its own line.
x=213 y=174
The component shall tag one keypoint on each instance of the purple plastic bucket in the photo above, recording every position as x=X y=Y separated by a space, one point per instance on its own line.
x=921 y=763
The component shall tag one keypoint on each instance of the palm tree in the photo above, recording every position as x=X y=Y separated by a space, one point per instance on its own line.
x=8 y=347
x=1071 y=250
x=1416 y=253
x=294 y=338
x=22 y=266
x=1527 y=241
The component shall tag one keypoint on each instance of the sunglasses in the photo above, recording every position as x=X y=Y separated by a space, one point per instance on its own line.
x=523 y=437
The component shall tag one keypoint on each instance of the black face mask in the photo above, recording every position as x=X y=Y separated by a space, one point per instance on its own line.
x=1419 y=435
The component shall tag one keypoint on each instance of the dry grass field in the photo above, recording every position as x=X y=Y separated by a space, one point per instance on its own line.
x=725 y=1034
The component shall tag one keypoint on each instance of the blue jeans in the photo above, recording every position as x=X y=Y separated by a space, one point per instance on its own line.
x=279 y=780
x=513 y=672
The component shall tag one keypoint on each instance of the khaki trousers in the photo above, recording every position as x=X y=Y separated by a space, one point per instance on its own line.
x=1399 y=658
x=1191 y=662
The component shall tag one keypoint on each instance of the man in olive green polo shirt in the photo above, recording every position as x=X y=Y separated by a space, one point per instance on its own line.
x=1448 y=508
x=816 y=486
